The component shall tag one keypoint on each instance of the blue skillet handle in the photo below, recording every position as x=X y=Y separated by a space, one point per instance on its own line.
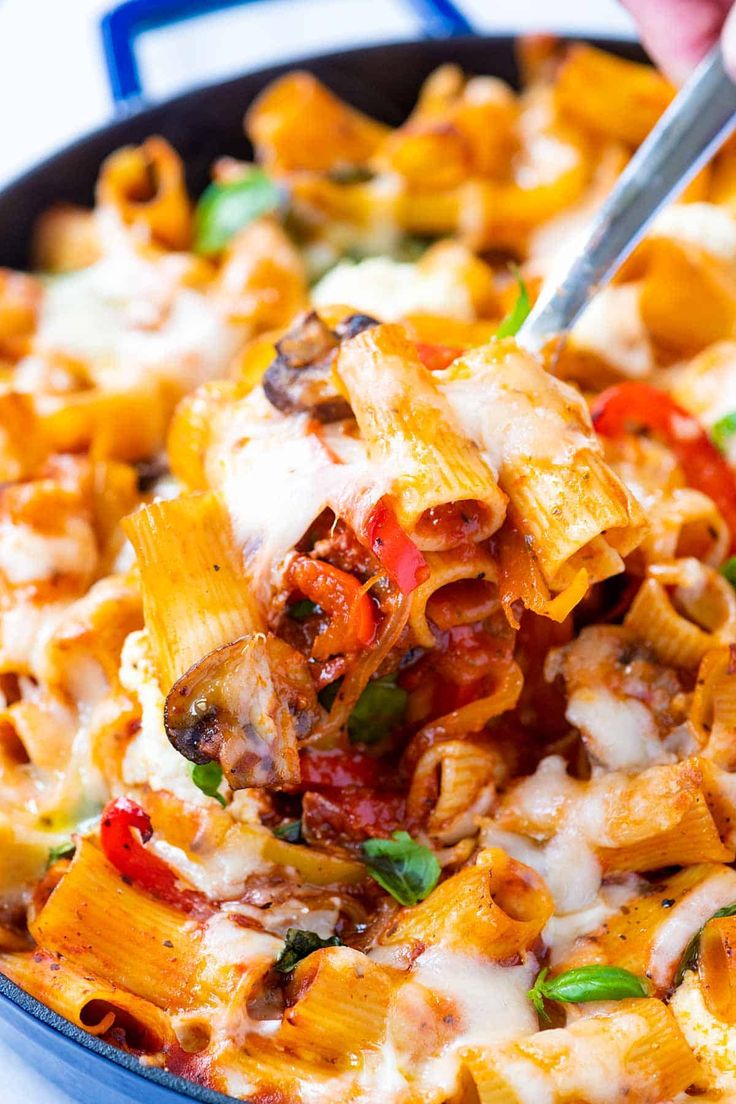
x=121 y=26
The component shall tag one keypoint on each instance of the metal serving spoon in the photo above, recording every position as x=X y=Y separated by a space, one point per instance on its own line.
x=697 y=121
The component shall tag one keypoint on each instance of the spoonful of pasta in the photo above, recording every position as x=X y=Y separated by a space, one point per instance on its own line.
x=696 y=123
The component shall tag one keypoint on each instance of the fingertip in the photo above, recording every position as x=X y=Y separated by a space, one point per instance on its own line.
x=728 y=44
x=679 y=33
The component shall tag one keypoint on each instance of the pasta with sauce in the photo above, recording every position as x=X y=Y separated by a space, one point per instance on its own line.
x=367 y=685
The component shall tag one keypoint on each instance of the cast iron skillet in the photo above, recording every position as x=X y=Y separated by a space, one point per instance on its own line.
x=203 y=124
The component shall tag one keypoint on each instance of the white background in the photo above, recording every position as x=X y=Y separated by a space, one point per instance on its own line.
x=53 y=88
x=52 y=79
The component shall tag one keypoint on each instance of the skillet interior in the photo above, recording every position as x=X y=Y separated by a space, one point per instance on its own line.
x=202 y=124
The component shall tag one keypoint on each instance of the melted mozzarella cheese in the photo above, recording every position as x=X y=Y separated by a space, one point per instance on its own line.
x=294 y=913
x=391 y=290
x=577 y=820
x=489 y=1005
x=490 y=998
x=573 y=870
x=712 y=1040
x=518 y=847
x=24 y=631
x=87 y=684
x=531 y=1083
x=619 y=732
x=707 y=225
x=561 y=932
x=275 y=487
x=586 y=1064
x=382 y=1078
x=277 y=476
x=81 y=791
x=191 y=344
x=491 y=1002
x=514 y=410
x=567 y=861
x=544 y=795
x=149 y=758
x=222 y=873
x=226 y=942
x=323 y=1086
x=231 y=952
x=27 y=555
x=129 y=318
x=77 y=319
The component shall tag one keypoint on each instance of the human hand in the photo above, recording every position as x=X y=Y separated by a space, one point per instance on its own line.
x=678 y=33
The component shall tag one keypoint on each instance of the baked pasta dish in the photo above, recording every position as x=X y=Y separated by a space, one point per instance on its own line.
x=368 y=686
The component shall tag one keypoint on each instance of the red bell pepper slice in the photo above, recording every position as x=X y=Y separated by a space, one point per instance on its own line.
x=638 y=404
x=357 y=813
x=351 y=610
x=437 y=357
x=338 y=768
x=143 y=868
x=390 y=545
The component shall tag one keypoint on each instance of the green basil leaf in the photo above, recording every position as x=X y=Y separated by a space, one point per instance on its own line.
x=722 y=431
x=536 y=996
x=303 y=610
x=728 y=570
x=689 y=958
x=223 y=209
x=299 y=944
x=291 y=831
x=207 y=777
x=407 y=870
x=514 y=320
x=62 y=851
x=591 y=983
x=378 y=711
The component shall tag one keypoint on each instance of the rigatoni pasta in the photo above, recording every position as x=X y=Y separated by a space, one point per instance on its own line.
x=185 y=547
x=549 y=466
x=646 y=1058
x=433 y=469
x=153 y=961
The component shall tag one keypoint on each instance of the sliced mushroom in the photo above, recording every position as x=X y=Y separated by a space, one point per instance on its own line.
x=246 y=705
x=353 y=325
x=308 y=341
x=300 y=378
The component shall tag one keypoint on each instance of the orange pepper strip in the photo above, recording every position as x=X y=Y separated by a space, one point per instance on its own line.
x=351 y=611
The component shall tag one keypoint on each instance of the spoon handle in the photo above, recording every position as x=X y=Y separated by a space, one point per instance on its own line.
x=697 y=121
